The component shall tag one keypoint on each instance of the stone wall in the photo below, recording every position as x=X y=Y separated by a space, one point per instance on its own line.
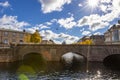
x=7 y=55
x=99 y=53
x=54 y=52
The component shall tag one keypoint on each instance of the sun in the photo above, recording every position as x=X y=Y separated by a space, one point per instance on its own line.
x=92 y=3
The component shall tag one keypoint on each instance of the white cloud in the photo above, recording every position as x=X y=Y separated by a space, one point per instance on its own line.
x=86 y=33
x=99 y=25
x=11 y=22
x=83 y=21
x=31 y=30
x=103 y=8
x=89 y=20
x=113 y=6
x=42 y=26
x=4 y=4
x=48 y=23
x=57 y=42
x=114 y=11
x=111 y=16
x=58 y=38
x=82 y=29
x=66 y=36
x=116 y=4
x=53 y=20
x=111 y=9
x=48 y=34
x=80 y=5
x=67 y=23
x=94 y=22
x=39 y=27
x=53 y=5
x=98 y=33
x=105 y=1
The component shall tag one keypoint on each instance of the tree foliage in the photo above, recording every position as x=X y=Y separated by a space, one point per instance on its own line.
x=27 y=38
x=35 y=37
x=86 y=42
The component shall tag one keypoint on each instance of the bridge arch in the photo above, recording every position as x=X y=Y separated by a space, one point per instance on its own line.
x=82 y=54
x=110 y=54
x=22 y=51
x=22 y=56
x=30 y=53
x=112 y=60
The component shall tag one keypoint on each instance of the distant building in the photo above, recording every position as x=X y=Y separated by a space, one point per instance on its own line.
x=47 y=42
x=84 y=38
x=12 y=36
x=112 y=35
x=97 y=39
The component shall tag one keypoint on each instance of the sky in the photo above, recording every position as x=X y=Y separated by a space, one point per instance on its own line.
x=60 y=20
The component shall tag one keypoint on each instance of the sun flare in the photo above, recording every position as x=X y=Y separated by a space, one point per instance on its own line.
x=93 y=3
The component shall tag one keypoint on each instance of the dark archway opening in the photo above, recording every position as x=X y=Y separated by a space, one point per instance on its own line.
x=32 y=63
x=112 y=61
x=33 y=57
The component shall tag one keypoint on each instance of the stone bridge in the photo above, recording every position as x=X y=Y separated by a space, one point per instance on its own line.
x=54 y=52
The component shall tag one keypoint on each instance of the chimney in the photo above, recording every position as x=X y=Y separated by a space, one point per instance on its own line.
x=24 y=30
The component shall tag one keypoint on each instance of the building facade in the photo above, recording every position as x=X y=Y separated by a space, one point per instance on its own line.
x=15 y=37
x=112 y=35
x=97 y=39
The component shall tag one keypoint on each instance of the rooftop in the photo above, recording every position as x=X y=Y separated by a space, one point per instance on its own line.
x=10 y=30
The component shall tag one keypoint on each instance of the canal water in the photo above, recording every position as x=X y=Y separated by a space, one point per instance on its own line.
x=37 y=69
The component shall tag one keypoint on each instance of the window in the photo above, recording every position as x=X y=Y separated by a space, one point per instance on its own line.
x=116 y=35
x=21 y=41
x=13 y=40
x=5 y=33
x=21 y=35
x=119 y=34
x=14 y=34
x=6 y=41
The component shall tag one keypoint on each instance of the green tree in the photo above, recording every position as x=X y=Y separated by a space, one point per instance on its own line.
x=35 y=37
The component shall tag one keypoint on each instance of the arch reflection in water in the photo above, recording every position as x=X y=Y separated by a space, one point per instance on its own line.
x=71 y=58
x=54 y=71
x=31 y=64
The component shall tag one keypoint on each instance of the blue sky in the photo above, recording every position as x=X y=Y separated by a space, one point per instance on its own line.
x=60 y=20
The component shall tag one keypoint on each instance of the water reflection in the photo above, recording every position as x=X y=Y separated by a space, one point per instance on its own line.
x=42 y=70
x=23 y=77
